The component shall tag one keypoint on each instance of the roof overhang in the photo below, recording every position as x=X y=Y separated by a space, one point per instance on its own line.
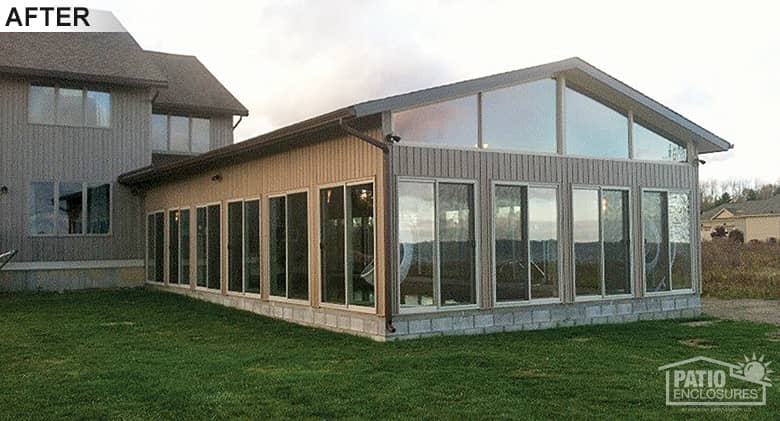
x=81 y=77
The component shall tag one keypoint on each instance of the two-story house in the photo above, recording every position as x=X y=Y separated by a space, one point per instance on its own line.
x=76 y=111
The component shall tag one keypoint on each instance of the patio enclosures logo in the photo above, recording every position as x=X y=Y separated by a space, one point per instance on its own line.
x=44 y=18
x=703 y=381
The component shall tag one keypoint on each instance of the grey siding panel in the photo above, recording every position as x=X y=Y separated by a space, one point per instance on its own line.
x=46 y=153
x=486 y=167
x=221 y=131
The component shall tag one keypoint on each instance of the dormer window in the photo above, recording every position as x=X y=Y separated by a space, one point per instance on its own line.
x=69 y=106
x=174 y=133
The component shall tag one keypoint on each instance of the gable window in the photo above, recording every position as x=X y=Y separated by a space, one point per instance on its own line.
x=69 y=208
x=452 y=122
x=244 y=246
x=289 y=246
x=526 y=242
x=666 y=230
x=602 y=263
x=208 y=272
x=593 y=129
x=69 y=106
x=173 y=133
x=437 y=244
x=521 y=117
x=650 y=145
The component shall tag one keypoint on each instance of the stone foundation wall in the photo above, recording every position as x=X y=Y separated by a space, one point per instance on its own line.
x=475 y=322
x=69 y=279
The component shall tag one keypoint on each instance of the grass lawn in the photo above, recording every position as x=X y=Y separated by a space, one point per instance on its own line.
x=139 y=354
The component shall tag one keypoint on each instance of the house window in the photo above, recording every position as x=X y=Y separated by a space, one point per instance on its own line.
x=208 y=247
x=179 y=246
x=650 y=145
x=173 y=133
x=289 y=246
x=437 y=244
x=347 y=244
x=593 y=129
x=525 y=222
x=69 y=106
x=521 y=118
x=666 y=228
x=244 y=246
x=602 y=263
x=155 y=242
x=59 y=208
x=452 y=122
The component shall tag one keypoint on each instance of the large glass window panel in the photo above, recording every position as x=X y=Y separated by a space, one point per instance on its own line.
x=680 y=239
x=656 y=240
x=41 y=105
x=332 y=250
x=159 y=132
x=98 y=109
x=173 y=247
x=70 y=208
x=277 y=247
x=451 y=122
x=650 y=145
x=41 y=212
x=587 y=242
x=201 y=134
x=179 y=136
x=593 y=129
x=159 y=247
x=521 y=117
x=201 y=248
x=511 y=243
x=99 y=208
x=235 y=247
x=70 y=107
x=616 y=235
x=456 y=243
x=543 y=238
x=252 y=246
x=214 y=252
x=416 y=238
x=298 y=246
x=184 y=245
x=360 y=244
x=150 y=255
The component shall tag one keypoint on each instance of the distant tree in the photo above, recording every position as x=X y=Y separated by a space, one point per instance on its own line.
x=724 y=198
x=719 y=232
x=737 y=236
x=750 y=194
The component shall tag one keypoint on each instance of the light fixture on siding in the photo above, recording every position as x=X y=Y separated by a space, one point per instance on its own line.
x=216 y=178
x=3 y=190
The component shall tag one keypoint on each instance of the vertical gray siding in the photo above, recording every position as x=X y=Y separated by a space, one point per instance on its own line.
x=487 y=167
x=221 y=131
x=31 y=152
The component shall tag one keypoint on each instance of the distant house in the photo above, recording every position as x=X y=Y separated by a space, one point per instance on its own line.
x=757 y=219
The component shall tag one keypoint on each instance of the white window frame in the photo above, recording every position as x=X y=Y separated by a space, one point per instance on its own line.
x=437 y=307
x=167 y=237
x=243 y=201
x=84 y=91
x=286 y=298
x=694 y=276
x=146 y=251
x=195 y=252
x=604 y=296
x=189 y=118
x=559 y=221
x=346 y=305
x=85 y=185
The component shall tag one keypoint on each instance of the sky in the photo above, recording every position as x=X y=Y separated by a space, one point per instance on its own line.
x=717 y=63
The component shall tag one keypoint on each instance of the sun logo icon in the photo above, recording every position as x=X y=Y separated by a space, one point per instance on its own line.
x=755 y=369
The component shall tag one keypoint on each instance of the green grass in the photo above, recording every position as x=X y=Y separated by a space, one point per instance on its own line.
x=139 y=354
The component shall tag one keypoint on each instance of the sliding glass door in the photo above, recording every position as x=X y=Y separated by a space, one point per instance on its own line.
x=243 y=246
x=208 y=247
x=289 y=246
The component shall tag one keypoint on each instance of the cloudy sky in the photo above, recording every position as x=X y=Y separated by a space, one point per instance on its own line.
x=718 y=65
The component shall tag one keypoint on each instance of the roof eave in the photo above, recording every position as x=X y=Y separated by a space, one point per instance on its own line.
x=187 y=108
x=82 y=77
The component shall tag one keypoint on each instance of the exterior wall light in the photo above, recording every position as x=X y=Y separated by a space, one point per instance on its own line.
x=3 y=190
x=216 y=178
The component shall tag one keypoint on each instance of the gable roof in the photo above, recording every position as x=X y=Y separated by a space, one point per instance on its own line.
x=192 y=87
x=747 y=208
x=106 y=57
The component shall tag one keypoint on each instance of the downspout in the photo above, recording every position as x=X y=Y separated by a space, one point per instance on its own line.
x=238 y=122
x=388 y=225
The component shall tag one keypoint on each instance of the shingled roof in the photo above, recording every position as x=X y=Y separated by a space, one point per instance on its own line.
x=192 y=86
x=750 y=207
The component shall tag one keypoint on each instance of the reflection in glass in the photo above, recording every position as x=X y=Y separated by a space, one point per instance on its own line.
x=416 y=238
x=41 y=214
x=651 y=146
x=41 y=106
x=277 y=247
x=70 y=107
x=451 y=122
x=214 y=253
x=201 y=136
x=332 y=245
x=98 y=109
x=150 y=263
x=70 y=208
x=456 y=244
x=159 y=244
x=298 y=249
x=587 y=244
x=235 y=246
x=617 y=263
x=99 y=209
x=511 y=243
x=173 y=247
x=520 y=117
x=179 y=133
x=360 y=246
x=543 y=237
x=252 y=246
x=201 y=240
x=184 y=245
x=593 y=129
x=654 y=226
x=680 y=239
x=159 y=132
